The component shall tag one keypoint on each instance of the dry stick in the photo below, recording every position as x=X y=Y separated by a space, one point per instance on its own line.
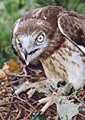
x=82 y=115
x=10 y=103
x=7 y=116
x=26 y=118
x=24 y=108
x=10 y=107
x=25 y=102
x=31 y=112
x=16 y=75
x=3 y=110
x=20 y=111
x=1 y=116
x=79 y=100
x=13 y=82
x=29 y=115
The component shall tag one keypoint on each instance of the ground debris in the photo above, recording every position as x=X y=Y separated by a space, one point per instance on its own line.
x=19 y=107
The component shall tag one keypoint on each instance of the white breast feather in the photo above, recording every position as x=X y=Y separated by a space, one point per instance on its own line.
x=73 y=64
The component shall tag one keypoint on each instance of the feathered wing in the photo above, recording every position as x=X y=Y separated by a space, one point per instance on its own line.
x=15 y=27
x=72 y=25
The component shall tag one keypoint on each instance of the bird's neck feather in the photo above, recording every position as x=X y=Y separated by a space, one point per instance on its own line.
x=66 y=63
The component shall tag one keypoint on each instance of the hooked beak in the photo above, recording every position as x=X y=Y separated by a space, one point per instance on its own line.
x=24 y=56
x=27 y=56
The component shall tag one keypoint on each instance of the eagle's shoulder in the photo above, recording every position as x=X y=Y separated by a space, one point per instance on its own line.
x=72 y=25
x=44 y=13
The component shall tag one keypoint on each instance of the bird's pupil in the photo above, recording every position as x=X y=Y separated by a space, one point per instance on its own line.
x=40 y=38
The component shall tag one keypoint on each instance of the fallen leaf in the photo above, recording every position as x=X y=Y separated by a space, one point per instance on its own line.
x=13 y=67
x=2 y=74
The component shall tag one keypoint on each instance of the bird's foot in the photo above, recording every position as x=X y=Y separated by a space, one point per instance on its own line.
x=32 y=87
x=48 y=101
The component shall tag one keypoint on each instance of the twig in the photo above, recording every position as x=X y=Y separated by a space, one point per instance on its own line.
x=10 y=107
x=1 y=116
x=26 y=102
x=9 y=103
x=29 y=115
x=16 y=75
x=79 y=100
x=24 y=108
x=18 y=116
x=82 y=115
x=13 y=82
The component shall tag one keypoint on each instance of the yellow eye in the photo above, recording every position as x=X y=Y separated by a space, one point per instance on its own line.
x=17 y=41
x=40 y=38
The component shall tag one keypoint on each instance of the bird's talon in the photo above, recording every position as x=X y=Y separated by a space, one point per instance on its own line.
x=35 y=103
x=37 y=114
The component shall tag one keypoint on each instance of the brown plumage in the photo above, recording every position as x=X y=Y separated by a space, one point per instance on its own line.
x=56 y=37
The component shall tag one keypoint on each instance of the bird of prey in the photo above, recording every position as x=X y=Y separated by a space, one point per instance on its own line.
x=56 y=38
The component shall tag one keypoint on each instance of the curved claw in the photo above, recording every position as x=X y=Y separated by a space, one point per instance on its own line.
x=35 y=103
x=37 y=114
x=48 y=102
x=41 y=101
